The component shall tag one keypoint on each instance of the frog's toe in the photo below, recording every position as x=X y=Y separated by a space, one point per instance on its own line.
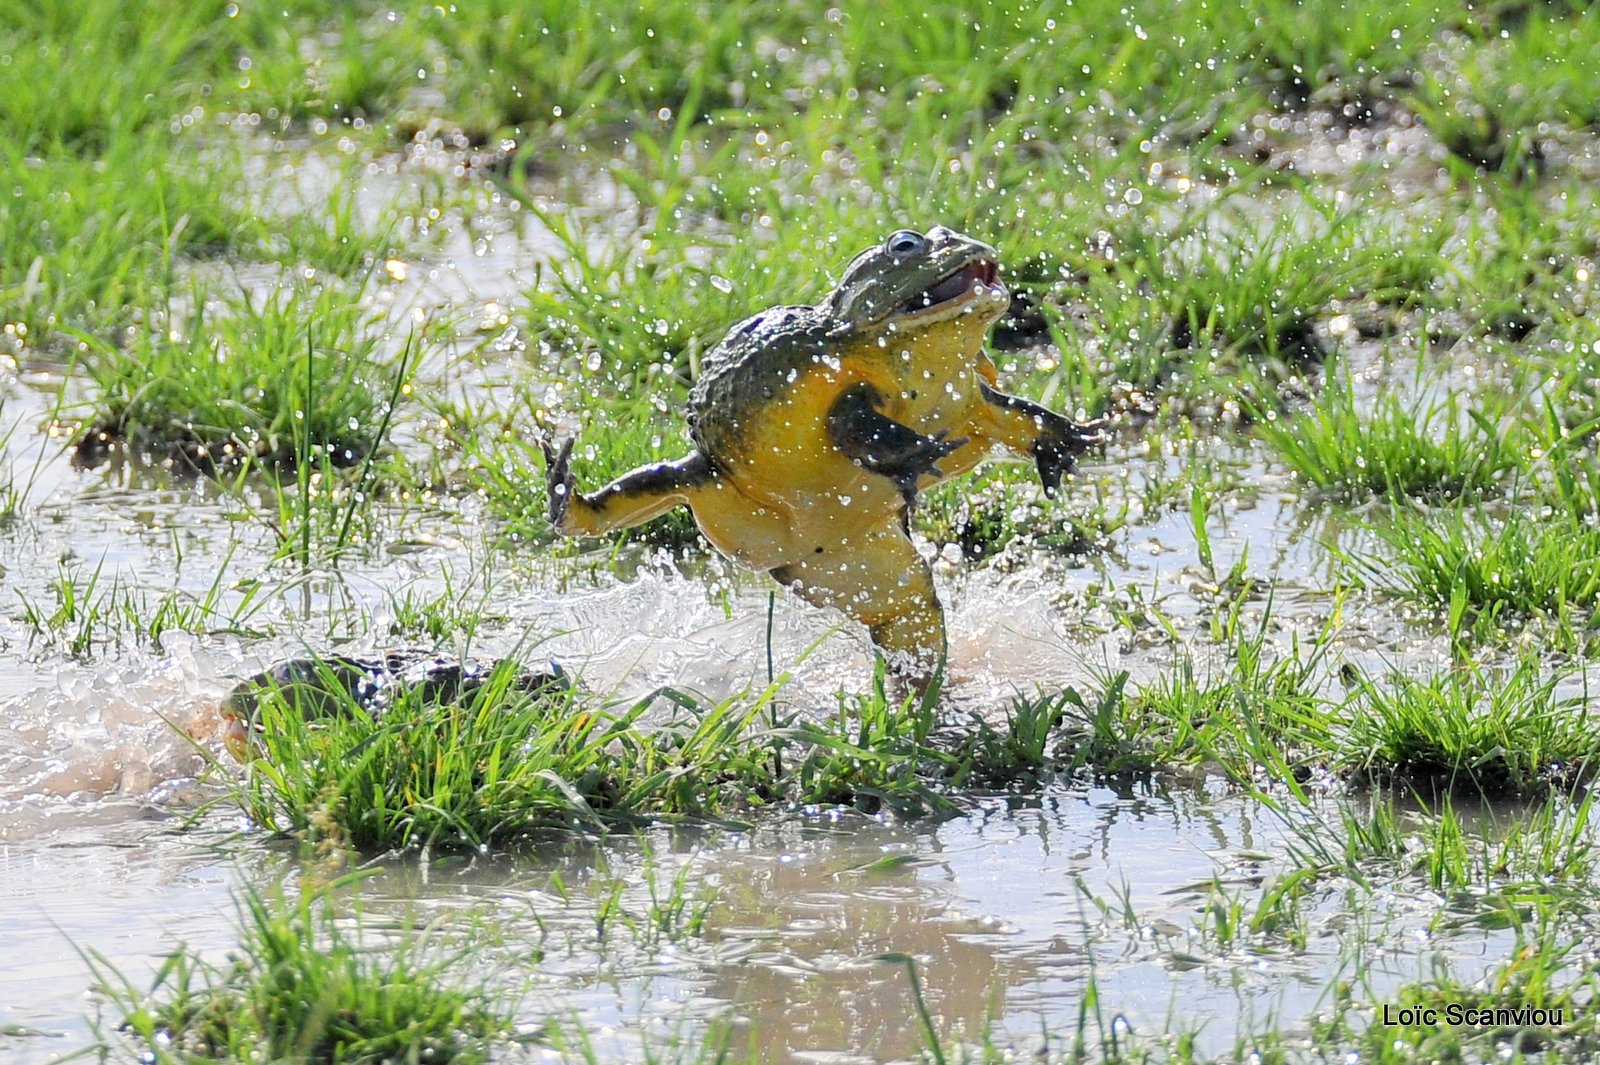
x=1091 y=433
x=939 y=447
x=559 y=480
x=1061 y=441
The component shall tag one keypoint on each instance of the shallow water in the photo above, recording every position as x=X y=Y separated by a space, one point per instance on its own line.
x=1010 y=911
x=997 y=906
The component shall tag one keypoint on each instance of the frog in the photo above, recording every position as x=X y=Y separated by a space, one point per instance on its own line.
x=816 y=426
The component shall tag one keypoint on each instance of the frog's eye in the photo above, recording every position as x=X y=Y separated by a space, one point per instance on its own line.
x=904 y=243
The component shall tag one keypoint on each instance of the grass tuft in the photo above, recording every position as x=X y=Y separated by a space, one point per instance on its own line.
x=1490 y=732
x=501 y=759
x=302 y=988
x=1490 y=569
x=1437 y=452
x=274 y=379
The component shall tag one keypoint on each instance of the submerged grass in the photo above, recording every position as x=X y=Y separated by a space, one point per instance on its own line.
x=302 y=987
x=1544 y=851
x=92 y=615
x=11 y=496
x=1536 y=1004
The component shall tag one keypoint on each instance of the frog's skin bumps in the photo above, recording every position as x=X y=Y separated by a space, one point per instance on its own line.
x=816 y=427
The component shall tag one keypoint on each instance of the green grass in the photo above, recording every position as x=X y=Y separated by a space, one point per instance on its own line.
x=87 y=246
x=1345 y=452
x=874 y=752
x=1257 y=713
x=303 y=987
x=512 y=65
x=1519 y=259
x=493 y=768
x=91 y=616
x=508 y=467
x=1193 y=202
x=85 y=71
x=299 y=64
x=12 y=497
x=81 y=71
x=500 y=765
x=984 y=514
x=1489 y=570
x=1491 y=98
x=1544 y=968
x=1173 y=69
x=1479 y=731
x=273 y=379
x=1568 y=374
x=1545 y=850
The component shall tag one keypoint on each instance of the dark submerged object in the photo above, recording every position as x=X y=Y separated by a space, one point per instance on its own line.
x=340 y=684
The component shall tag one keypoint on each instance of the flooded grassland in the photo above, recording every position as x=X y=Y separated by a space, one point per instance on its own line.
x=1274 y=719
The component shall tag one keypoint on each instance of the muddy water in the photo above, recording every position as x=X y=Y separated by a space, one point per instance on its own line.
x=998 y=907
x=1010 y=910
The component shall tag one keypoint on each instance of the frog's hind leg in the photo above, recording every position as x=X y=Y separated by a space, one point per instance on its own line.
x=631 y=499
x=1030 y=429
x=880 y=580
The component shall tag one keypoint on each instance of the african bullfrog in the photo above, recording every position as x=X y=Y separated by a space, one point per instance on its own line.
x=816 y=427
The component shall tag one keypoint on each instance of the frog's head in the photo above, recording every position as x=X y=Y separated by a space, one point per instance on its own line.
x=915 y=280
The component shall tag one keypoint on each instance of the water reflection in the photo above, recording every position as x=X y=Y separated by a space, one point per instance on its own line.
x=1009 y=913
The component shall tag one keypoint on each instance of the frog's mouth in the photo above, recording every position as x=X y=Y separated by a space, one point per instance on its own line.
x=955 y=288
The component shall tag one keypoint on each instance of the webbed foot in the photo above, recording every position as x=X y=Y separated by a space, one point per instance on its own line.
x=559 y=481
x=884 y=446
x=920 y=460
x=1060 y=441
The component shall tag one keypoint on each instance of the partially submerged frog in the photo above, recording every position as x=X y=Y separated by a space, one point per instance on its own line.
x=816 y=427
x=340 y=684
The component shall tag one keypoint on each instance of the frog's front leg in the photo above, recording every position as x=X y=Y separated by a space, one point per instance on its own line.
x=1027 y=428
x=876 y=442
x=631 y=499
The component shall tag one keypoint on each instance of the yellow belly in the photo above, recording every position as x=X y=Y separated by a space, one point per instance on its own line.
x=800 y=493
